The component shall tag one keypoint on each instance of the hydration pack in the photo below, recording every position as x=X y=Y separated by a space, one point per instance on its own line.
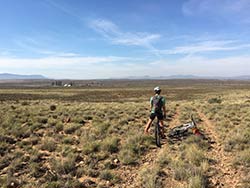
x=157 y=103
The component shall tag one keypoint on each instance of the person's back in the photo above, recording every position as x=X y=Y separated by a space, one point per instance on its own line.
x=158 y=109
x=157 y=102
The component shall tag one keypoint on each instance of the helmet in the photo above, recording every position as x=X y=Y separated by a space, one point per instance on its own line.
x=157 y=89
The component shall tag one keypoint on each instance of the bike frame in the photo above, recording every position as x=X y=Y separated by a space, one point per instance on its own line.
x=181 y=129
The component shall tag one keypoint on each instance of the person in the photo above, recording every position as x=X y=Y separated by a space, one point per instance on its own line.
x=158 y=109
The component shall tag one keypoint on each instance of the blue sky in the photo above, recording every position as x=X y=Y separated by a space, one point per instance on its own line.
x=87 y=39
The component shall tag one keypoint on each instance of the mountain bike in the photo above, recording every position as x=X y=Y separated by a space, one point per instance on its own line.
x=182 y=130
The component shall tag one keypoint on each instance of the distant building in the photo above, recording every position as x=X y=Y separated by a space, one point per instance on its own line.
x=57 y=83
x=67 y=85
x=61 y=84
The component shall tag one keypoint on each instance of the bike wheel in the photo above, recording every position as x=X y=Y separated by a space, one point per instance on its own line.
x=157 y=135
x=179 y=131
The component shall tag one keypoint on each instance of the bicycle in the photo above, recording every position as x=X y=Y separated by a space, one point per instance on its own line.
x=157 y=134
x=182 y=130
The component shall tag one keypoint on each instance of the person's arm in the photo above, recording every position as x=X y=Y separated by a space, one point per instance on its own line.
x=164 y=111
x=164 y=107
x=151 y=104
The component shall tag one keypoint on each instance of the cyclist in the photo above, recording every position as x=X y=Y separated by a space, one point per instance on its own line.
x=158 y=109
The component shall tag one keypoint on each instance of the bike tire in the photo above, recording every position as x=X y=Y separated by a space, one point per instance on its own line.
x=177 y=132
x=157 y=134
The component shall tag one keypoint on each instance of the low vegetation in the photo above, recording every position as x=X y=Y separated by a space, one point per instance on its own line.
x=94 y=137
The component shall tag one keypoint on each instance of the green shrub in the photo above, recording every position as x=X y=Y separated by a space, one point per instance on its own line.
x=68 y=140
x=127 y=157
x=49 y=144
x=133 y=148
x=214 y=100
x=54 y=184
x=4 y=148
x=101 y=128
x=36 y=170
x=52 y=122
x=80 y=171
x=73 y=183
x=106 y=175
x=59 y=127
x=91 y=147
x=21 y=132
x=42 y=120
x=197 y=140
x=194 y=155
x=196 y=182
x=64 y=166
x=110 y=144
x=109 y=165
x=163 y=158
x=71 y=128
x=243 y=158
x=52 y=107
x=24 y=103
x=150 y=177
x=181 y=171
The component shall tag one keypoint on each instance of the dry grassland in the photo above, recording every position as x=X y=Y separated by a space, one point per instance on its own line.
x=55 y=138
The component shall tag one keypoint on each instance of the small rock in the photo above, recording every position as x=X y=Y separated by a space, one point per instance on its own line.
x=116 y=161
x=82 y=122
x=24 y=124
x=89 y=183
x=13 y=184
x=67 y=120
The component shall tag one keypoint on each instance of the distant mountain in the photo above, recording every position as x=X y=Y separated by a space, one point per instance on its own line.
x=244 y=77
x=7 y=76
x=181 y=77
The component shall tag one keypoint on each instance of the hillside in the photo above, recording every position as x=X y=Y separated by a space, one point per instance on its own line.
x=7 y=76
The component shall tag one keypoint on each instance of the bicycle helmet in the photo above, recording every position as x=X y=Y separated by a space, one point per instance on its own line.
x=157 y=89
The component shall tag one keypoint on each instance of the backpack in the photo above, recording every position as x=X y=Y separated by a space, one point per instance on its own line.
x=157 y=103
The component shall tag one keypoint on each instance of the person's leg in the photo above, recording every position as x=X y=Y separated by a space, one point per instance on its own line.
x=151 y=119
x=148 y=125
x=161 y=123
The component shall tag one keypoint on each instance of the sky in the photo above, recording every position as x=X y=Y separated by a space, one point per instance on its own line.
x=95 y=39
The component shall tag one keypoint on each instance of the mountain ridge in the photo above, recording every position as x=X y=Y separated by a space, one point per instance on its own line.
x=9 y=76
x=146 y=77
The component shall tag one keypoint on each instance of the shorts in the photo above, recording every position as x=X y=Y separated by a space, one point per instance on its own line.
x=158 y=115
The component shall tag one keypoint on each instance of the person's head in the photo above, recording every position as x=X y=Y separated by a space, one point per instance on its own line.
x=157 y=90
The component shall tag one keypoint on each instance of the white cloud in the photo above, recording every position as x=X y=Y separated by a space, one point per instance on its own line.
x=48 y=62
x=206 y=46
x=118 y=67
x=112 y=32
x=202 y=66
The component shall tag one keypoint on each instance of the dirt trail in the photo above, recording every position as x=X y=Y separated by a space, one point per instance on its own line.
x=148 y=161
x=222 y=172
x=169 y=182
x=175 y=121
